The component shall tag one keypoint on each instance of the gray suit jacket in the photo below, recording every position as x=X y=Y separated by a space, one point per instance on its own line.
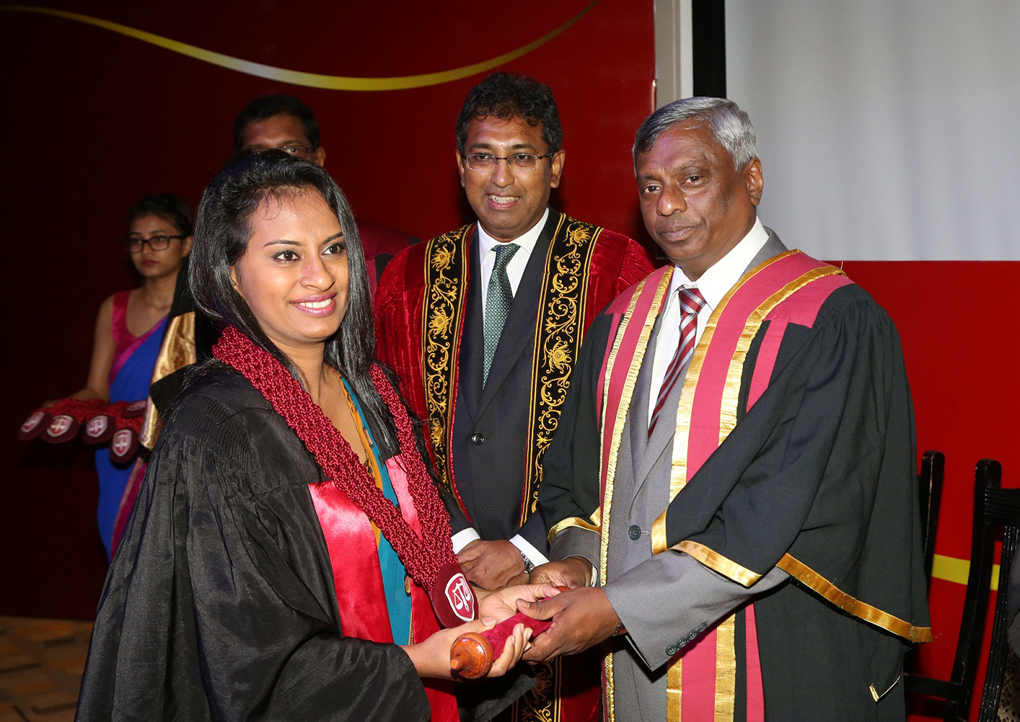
x=665 y=600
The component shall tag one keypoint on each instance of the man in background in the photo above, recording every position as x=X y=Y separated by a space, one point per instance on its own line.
x=280 y=122
x=285 y=123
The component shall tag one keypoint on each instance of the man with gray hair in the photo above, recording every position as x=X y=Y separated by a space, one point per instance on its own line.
x=733 y=502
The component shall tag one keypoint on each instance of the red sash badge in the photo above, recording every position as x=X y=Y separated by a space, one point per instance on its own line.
x=62 y=428
x=135 y=408
x=123 y=446
x=98 y=429
x=453 y=599
x=34 y=425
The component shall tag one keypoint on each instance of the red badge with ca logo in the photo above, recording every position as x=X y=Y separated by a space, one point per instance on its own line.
x=34 y=425
x=123 y=446
x=453 y=599
x=62 y=428
x=134 y=409
x=98 y=429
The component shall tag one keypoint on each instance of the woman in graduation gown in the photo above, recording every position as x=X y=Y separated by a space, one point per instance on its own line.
x=288 y=536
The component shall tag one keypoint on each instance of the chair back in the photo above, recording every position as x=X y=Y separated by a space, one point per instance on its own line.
x=955 y=693
x=1002 y=508
x=929 y=487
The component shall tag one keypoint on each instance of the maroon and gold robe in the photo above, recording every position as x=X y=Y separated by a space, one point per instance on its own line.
x=488 y=442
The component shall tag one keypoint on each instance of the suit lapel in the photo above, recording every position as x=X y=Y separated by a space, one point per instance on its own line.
x=662 y=437
x=472 y=340
x=661 y=440
x=518 y=331
x=773 y=247
x=639 y=439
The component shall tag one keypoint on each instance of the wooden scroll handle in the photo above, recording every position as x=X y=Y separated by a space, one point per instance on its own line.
x=471 y=656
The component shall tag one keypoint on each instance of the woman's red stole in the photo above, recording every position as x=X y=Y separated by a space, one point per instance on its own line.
x=357 y=576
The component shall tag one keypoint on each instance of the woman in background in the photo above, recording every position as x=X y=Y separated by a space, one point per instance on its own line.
x=129 y=330
x=284 y=557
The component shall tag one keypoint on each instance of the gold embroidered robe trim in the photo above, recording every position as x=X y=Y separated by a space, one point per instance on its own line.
x=558 y=334
x=609 y=456
x=559 y=329
x=442 y=320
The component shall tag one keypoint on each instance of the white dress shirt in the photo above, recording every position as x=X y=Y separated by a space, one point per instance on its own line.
x=515 y=269
x=714 y=283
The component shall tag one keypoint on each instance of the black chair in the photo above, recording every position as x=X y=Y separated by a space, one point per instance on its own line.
x=929 y=482
x=1002 y=508
x=953 y=695
x=929 y=492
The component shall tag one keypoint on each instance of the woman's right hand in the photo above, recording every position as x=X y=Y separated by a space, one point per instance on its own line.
x=431 y=658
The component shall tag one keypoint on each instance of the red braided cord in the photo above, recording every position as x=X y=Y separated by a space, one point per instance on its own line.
x=79 y=410
x=84 y=411
x=422 y=556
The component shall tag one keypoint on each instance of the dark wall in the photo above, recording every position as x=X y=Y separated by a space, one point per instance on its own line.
x=94 y=119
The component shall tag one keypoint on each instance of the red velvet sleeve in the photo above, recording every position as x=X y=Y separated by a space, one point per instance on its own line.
x=617 y=263
x=635 y=265
x=398 y=315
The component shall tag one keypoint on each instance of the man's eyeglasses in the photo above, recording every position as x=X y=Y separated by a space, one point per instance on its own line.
x=486 y=162
x=156 y=243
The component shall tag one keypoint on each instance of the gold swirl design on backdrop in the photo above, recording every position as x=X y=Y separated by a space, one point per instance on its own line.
x=297 y=77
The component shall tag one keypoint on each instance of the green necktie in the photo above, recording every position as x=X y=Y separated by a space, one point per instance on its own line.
x=497 y=303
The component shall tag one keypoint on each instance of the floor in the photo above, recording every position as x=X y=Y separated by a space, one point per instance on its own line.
x=41 y=662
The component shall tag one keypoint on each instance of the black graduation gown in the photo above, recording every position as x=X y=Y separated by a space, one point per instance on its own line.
x=220 y=604
x=823 y=467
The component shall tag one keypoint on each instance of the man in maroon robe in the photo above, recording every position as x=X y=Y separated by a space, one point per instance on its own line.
x=483 y=325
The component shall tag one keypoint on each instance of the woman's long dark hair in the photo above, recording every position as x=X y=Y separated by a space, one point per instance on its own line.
x=222 y=231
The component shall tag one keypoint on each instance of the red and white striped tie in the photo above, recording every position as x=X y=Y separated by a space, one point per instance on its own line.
x=691 y=302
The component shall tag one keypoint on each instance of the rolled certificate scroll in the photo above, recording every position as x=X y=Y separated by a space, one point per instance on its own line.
x=471 y=655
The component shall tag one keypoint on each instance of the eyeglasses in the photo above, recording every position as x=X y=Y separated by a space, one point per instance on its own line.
x=156 y=243
x=487 y=163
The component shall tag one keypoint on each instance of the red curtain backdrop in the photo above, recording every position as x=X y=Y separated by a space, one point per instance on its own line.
x=95 y=119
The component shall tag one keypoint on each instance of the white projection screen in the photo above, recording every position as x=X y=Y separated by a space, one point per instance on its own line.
x=888 y=130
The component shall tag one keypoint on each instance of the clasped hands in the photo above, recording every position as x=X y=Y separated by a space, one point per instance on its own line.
x=431 y=657
x=582 y=617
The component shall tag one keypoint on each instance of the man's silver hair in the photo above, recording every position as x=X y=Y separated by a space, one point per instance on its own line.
x=729 y=125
